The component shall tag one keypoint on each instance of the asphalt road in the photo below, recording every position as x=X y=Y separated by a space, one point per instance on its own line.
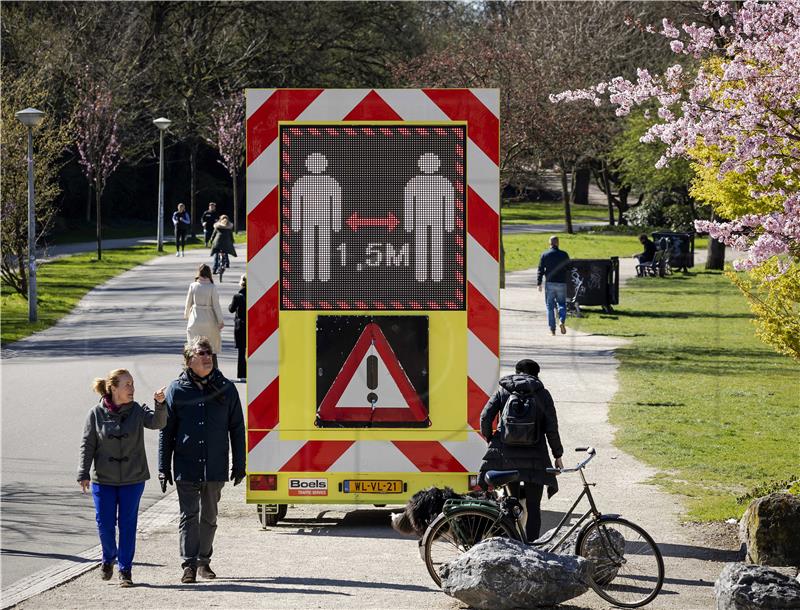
x=135 y=321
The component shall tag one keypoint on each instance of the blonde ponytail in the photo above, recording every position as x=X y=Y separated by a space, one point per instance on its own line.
x=102 y=385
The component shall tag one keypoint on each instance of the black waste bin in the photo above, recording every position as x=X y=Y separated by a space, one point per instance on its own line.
x=680 y=247
x=592 y=282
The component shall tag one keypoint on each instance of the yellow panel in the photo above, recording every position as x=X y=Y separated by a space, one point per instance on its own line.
x=447 y=366
x=457 y=481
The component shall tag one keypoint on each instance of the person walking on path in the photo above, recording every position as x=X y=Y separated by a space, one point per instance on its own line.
x=203 y=311
x=528 y=455
x=554 y=266
x=182 y=222
x=113 y=447
x=222 y=242
x=209 y=217
x=238 y=308
x=204 y=416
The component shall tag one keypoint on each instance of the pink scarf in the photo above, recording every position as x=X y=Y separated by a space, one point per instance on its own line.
x=109 y=404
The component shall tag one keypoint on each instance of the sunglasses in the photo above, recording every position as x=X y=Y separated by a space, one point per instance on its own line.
x=203 y=352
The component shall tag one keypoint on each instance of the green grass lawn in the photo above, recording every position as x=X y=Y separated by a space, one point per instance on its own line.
x=701 y=399
x=523 y=249
x=548 y=212
x=88 y=232
x=63 y=282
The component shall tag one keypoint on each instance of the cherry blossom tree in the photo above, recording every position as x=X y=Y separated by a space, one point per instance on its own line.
x=99 y=154
x=743 y=105
x=227 y=136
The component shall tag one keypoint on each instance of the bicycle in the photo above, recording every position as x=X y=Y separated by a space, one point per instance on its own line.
x=221 y=263
x=628 y=567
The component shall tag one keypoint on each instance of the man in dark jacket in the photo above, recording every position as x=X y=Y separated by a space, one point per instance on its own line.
x=531 y=460
x=209 y=217
x=554 y=266
x=203 y=415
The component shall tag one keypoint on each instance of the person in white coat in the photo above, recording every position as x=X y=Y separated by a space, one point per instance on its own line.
x=203 y=311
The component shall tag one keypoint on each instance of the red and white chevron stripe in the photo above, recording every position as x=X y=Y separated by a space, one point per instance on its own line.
x=265 y=107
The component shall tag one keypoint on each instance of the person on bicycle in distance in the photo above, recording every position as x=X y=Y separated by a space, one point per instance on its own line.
x=222 y=239
x=522 y=402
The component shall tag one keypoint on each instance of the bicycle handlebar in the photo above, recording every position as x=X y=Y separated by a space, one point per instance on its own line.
x=590 y=450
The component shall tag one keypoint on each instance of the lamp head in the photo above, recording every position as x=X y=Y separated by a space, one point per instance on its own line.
x=30 y=117
x=162 y=123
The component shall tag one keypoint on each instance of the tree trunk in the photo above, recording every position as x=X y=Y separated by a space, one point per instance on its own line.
x=580 y=181
x=716 y=255
x=502 y=261
x=607 y=189
x=99 y=236
x=565 y=199
x=622 y=203
x=235 y=205
x=192 y=185
x=22 y=258
x=89 y=204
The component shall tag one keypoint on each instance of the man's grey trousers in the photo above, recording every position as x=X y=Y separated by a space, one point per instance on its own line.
x=198 y=504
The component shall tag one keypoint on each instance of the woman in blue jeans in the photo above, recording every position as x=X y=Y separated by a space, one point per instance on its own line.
x=113 y=448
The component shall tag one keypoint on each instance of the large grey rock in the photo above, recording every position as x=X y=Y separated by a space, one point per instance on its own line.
x=605 y=569
x=749 y=587
x=770 y=529
x=500 y=573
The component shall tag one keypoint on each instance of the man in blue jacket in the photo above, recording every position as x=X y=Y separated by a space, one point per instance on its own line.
x=554 y=266
x=204 y=415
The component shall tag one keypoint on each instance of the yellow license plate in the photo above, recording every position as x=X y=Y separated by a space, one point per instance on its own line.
x=372 y=487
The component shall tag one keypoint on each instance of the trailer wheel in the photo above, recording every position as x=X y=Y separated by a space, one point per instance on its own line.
x=268 y=519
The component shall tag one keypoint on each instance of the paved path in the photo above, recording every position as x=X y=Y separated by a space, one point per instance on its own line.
x=134 y=321
x=351 y=559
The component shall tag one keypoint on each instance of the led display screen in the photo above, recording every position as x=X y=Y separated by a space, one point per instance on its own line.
x=372 y=216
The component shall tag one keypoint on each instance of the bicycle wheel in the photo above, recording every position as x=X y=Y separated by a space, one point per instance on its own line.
x=448 y=536
x=628 y=568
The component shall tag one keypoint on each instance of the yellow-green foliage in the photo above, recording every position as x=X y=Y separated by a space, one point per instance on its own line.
x=731 y=195
x=775 y=305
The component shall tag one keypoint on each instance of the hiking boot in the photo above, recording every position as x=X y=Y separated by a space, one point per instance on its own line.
x=563 y=329
x=125 y=579
x=106 y=571
x=206 y=572
x=189 y=575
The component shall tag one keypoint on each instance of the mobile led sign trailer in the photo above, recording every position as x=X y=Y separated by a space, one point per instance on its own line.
x=373 y=291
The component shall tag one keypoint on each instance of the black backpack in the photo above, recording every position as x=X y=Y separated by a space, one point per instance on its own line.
x=518 y=420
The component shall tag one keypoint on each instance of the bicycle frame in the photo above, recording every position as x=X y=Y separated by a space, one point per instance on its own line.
x=593 y=510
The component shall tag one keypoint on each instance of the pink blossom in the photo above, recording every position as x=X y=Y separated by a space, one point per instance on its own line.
x=748 y=111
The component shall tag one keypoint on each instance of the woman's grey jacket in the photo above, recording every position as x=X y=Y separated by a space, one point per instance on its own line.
x=113 y=443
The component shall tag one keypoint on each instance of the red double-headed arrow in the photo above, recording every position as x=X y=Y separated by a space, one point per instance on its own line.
x=355 y=222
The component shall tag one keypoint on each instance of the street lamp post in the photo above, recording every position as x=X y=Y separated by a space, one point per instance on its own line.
x=30 y=117
x=162 y=125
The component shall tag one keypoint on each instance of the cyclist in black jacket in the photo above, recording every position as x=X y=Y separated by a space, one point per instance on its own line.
x=531 y=461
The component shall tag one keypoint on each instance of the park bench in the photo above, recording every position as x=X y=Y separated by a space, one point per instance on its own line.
x=659 y=266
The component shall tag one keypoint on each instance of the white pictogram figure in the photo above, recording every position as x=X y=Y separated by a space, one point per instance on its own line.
x=428 y=201
x=316 y=210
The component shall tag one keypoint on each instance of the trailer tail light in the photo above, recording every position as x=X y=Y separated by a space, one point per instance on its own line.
x=263 y=482
x=472 y=482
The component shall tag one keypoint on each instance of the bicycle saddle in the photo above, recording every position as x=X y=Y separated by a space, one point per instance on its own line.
x=498 y=478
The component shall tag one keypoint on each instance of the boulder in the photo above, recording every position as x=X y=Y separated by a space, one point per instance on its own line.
x=604 y=569
x=749 y=587
x=501 y=573
x=770 y=529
